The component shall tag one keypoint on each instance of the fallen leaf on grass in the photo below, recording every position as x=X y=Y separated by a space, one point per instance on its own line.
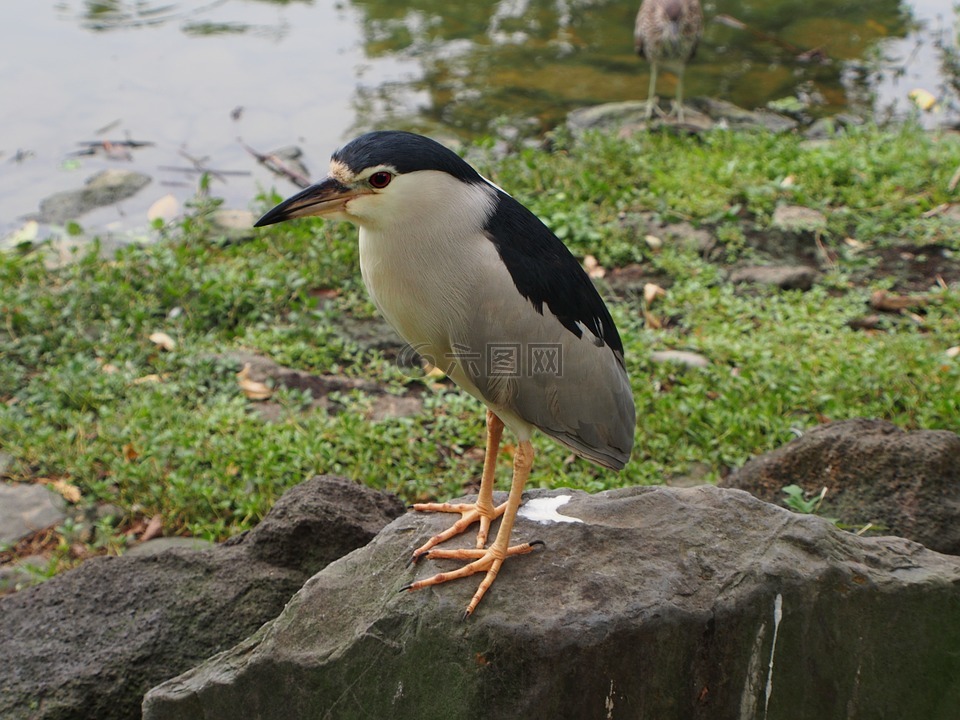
x=253 y=389
x=433 y=372
x=888 y=302
x=325 y=293
x=151 y=378
x=594 y=269
x=70 y=493
x=162 y=340
x=154 y=528
x=651 y=292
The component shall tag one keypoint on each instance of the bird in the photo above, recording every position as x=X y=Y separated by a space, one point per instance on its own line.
x=480 y=287
x=667 y=32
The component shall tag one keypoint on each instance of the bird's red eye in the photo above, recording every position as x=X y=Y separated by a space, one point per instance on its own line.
x=380 y=179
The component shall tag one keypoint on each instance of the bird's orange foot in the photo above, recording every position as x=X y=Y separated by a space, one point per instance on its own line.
x=487 y=561
x=469 y=514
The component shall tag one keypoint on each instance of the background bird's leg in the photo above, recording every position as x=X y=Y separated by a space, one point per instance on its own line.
x=678 y=103
x=651 y=92
x=490 y=559
x=483 y=509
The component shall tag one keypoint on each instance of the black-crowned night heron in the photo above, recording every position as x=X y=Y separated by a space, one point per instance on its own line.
x=666 y=33
x=484 y=290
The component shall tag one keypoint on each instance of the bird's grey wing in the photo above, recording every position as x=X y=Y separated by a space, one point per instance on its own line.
x=544 y=347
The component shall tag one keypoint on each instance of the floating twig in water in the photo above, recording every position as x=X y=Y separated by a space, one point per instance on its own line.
x=817 y=54
x=285 y=163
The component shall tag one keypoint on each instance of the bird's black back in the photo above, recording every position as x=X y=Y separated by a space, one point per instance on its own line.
x=546 y=273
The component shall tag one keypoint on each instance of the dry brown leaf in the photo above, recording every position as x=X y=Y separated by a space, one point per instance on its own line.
x=162 y=340
x=594 y=269
x=154 y=528
x=253 y=389
x=130 y=452
x=433 y=372
x=70 y=493
x=651 y=320
x=325 y=293
x=151 y=378
x=651 y=292
x=888 y=302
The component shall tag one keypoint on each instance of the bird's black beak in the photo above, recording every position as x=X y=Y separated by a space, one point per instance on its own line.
x=327 y=197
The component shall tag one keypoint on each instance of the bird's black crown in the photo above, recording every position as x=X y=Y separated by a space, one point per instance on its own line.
x=407 y=152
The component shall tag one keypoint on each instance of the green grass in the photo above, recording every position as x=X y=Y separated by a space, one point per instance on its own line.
x=185 y=443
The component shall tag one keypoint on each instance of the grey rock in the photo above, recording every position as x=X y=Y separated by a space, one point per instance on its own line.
x=383 y=405
x=797 y=219
x=234 y=225
x=785 y=277
x=907 y=483
x=821 y=129
x=679 y=234
x=162 y=544
x=662 y=603
x=26 y=508
x=104 y=188
x=680 y=357
x=22 y=573
x=702 y=113
x=608 y=116
x=727 y=114
x=6 y=462
x=375 y=334
x=90 y=642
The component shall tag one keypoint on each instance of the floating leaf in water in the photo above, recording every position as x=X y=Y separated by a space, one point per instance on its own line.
x=923 y=99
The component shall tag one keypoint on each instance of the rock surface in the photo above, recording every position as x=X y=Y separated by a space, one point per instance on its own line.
x=907 y=483
x=648 y=603
x=701 y=113
x=26 y=508
x=785 y=277
x=89 y=643
x=105 y=188
x=383 y=404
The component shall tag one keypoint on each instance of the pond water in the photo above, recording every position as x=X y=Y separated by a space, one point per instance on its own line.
x=196 y=78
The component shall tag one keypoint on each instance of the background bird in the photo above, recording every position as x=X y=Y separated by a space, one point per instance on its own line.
x=667 y=33
x=481 y=288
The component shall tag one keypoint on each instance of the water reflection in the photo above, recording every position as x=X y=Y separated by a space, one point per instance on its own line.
x=172 y=72
x=517 y=58
x=488 y=60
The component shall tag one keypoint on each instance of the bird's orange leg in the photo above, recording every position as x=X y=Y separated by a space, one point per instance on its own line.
x=489 y=560
x=483 y=509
